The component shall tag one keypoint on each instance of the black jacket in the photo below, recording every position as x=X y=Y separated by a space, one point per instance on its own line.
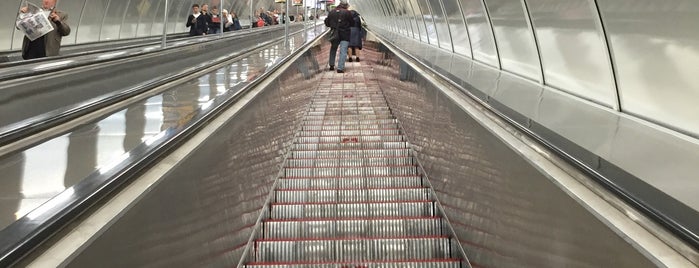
x=341 y=20
x=200 y=26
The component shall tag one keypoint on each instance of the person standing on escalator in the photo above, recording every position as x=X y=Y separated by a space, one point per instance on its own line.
x=49 y=44
x=339 y=21
x=194 y=23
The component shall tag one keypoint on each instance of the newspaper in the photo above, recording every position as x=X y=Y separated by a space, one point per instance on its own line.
x=34 y=23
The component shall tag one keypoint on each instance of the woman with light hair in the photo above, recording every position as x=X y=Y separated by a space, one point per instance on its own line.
x=226 y=20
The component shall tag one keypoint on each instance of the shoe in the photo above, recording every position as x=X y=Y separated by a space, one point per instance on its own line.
x=357 y=60
x=349 y=60
x=340 y=71
x=332 y=67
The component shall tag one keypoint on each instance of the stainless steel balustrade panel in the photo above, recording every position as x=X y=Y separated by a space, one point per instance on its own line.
x=206 y=208
x=418 y=20
x=515 y=40
x=157 y=16
x=114 y=16
x=145 y=11
x=75 y=11
x=428 y=16
x=573 y=49
x=91 y=21
x=505 y=213
x=480 y=33
x=441 y=24
x=459 y=33
x=655 y=46
x=8 y=13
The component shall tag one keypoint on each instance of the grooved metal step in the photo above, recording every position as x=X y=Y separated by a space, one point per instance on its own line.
x=346 y=228
x=348 y=127
x=350 y=182
x=351 y=195
x=416 y=208
x=364 y=153
x=354 y=249
x=349 y=122
x=350 y=171
x=351 y=162
x=351 y=139
x=434 y=263
x=368 y=132
x=351 y=145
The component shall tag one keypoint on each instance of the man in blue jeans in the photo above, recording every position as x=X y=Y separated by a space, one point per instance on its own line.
x=340 y=21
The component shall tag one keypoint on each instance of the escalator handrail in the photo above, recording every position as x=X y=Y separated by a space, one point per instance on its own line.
x=88 y=48
x=24 y=128
x=68 y=62
x=24 y=235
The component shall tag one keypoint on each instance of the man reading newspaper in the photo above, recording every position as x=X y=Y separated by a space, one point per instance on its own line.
x=43 y=29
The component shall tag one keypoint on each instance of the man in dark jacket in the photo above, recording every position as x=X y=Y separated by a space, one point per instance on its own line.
x=193 y=22
x=49 y=44
x=339 y=20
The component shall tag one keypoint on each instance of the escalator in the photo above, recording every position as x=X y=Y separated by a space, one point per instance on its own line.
x=352 y=193
x=376 y=167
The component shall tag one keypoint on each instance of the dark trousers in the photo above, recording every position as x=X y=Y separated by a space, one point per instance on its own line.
x=36 y=49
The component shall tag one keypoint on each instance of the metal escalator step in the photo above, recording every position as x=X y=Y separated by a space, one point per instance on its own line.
x=354 y=249
x=292 y=172
x=434 y=263
x=348 y=117
x=368 y=132
x=348 y=127
x=345 y=228
x=351 y=195
x=365 y=153
x=357 y=161
x=351 y=139
x=350 y=145
x=421 y=208
x=326 y=108
x=349 y=122
x=350 y=182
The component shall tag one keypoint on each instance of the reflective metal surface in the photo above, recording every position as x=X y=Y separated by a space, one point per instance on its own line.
x=516 y=45
x=440 y=22
x=504 y=211
x=597 y=139
x=457 y=26
x=573 y=50
x=55 y=93
x=36 y=174
x=218 y=194
x=350 y=221
x=655 y=49
x=99 y=20
x=480 y=32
